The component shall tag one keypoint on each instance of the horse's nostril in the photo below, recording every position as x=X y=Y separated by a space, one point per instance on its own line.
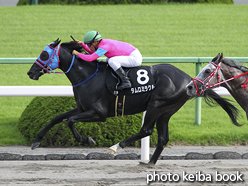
x=189 y=87
x=29 y=73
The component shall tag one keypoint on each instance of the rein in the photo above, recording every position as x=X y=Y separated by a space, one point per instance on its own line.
x=97 y=68
x=53 y=63
x=208 y=79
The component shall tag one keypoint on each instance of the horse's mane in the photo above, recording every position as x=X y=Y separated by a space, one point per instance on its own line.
x=73 y=45
x=210 y=96
x=235 y=64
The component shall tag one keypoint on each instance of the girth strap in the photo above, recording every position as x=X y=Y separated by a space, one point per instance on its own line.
x=119 y=105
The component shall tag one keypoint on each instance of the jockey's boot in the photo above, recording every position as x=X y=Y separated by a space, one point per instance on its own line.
x=125 y=83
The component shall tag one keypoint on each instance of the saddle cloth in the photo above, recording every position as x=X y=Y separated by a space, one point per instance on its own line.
x=141 y=79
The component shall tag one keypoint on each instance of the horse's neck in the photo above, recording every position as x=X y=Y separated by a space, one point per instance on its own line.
x=240 y=94
x=79 y=71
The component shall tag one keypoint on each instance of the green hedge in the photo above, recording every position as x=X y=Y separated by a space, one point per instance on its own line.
x=112 y=2
x=42 y=109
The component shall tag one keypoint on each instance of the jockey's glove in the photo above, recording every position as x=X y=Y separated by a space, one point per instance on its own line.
x=79 y=42
x=74 y=52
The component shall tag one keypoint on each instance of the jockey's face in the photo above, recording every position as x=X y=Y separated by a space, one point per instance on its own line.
x=94 y=46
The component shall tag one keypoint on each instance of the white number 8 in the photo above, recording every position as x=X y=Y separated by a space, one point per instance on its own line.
x=142 y=78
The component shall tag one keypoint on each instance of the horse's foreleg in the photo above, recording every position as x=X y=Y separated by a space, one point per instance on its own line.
x=53 y=122
x=87 y=116
x=163 y=137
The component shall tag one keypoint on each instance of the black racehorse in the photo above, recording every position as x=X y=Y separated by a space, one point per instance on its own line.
x=95 y=102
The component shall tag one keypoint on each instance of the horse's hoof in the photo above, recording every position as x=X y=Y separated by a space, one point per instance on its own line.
x=35 y=145
x=146 y=164
x=91 y=141
x=111 y=151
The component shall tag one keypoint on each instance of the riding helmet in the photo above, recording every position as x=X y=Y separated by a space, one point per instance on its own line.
x=92 y=36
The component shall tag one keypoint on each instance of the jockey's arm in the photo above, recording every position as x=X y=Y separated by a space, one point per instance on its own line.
x=86 y=48
x=91 y=57
x=87 y=57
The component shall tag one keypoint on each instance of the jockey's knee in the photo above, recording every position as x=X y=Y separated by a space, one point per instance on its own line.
x=114 y=64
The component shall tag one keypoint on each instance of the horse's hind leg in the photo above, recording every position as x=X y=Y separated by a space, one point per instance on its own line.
x=163 y=136
x=54 y=121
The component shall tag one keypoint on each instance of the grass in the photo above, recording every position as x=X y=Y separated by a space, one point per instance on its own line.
x=171 y=30
x=215 y=129
x=157 y=30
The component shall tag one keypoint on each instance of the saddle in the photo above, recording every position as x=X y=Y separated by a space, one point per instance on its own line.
x=141 y=79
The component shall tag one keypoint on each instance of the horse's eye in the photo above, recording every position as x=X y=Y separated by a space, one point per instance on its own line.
x=44 y=56
x=207 y=71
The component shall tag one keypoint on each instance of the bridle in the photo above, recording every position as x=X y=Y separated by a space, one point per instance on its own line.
x=217 y=71
x=52 y=62
x=207 y=79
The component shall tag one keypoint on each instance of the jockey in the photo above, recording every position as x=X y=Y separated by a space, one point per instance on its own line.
x=119 y=54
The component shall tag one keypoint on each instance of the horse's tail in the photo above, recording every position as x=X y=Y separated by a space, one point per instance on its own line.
x=210 y=96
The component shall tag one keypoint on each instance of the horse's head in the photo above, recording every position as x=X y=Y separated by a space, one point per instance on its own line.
x=208 y=76
x=47 y=61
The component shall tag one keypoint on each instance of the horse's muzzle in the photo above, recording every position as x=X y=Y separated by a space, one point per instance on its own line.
x=191 y=90
x=34 y=76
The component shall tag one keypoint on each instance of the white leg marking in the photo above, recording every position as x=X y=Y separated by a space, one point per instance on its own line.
x=113 y=149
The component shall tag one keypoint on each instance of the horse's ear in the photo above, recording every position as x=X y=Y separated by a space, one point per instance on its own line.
x=220 y=58
x=216 y=58
x=55 y=43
